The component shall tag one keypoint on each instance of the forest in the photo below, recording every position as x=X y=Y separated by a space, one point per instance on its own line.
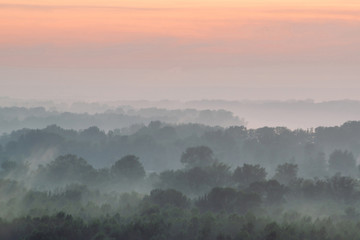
x=180 y=181
x=80 y=116
x=179 y=120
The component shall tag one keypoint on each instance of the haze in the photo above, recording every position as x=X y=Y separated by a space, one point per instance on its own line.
x=183 y=50
x=182 y=119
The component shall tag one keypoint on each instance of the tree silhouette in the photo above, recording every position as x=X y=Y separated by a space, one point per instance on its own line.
x=343 y=162
x=128 y=168
x=200 y=156
x=248 y=174
x=286 y=173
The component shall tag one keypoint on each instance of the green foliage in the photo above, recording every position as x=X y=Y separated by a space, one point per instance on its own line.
x=343 y=162
x=160 y=145
x=68 y=198
x=286 y=173
x=128 y=168
x=271 y=191
x=200 y=156
x=64 y=170
x=168 y=197
x=164 y=225
x=248 y=174
x=228 y=200
x=196 y=181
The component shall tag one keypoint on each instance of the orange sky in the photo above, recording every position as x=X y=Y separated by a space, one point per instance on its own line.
x=68 y=23
x=213 y=25
x=194 y=36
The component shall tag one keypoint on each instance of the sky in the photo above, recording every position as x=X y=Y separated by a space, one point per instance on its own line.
x=180 y=50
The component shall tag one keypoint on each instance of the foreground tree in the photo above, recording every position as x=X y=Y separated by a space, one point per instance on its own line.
x=286 y=173
x=343 y=162
x=128 y=168
x=170 y=197
x=248 y=174
x=272 y=192
x=200 y=156
x=66 y=169
x=228 y=200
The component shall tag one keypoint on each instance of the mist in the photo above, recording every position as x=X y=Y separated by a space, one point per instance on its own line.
x=135 y=160
x=196 y=120
x=108 y=115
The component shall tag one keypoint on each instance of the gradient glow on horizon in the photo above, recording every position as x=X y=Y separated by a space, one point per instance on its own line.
x=150 y=49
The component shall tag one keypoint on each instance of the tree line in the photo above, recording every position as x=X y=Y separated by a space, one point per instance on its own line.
x=159 y=145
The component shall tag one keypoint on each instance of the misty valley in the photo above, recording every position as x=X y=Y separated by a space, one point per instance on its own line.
x=179 y=120
x=179 y=179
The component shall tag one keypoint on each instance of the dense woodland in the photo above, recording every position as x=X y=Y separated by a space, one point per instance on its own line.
x=159 y=146
x=180 y=181
x=106 y=118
